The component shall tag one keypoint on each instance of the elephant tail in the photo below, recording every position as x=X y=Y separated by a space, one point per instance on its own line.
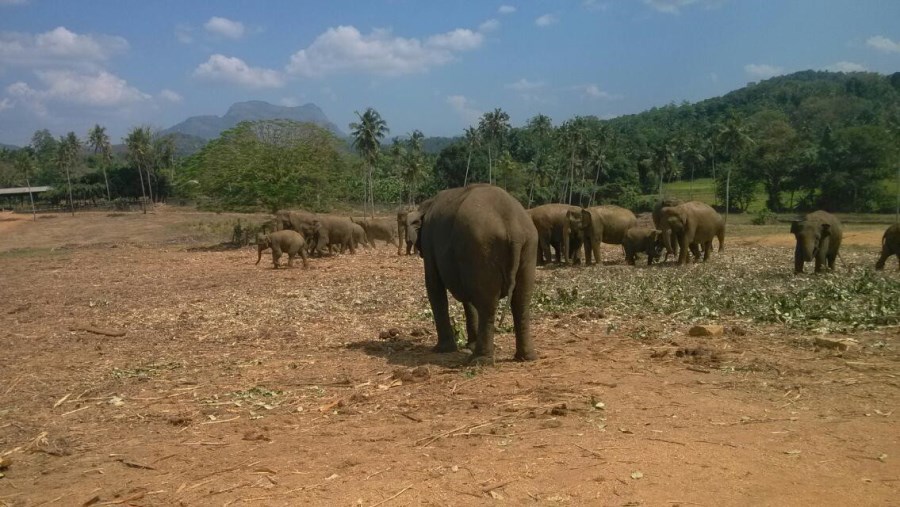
x=515 y=258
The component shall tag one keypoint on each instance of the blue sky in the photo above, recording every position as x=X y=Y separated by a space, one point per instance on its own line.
x=433 y=66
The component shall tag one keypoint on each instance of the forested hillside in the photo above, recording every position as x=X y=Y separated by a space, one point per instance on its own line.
x=796 y=142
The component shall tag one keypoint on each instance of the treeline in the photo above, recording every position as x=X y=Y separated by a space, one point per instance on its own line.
x=806 y=140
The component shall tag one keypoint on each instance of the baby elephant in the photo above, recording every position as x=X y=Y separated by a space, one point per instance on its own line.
x=642 y=240
x=890 y=245
x=288 y=241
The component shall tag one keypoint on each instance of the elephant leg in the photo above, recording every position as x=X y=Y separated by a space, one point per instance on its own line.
x=695 y=251
x=598 y=258
x=484 y=344
x=520 y=305
x=437 y=296
x=683 y=250
x=291 y=259
x=471 y=325
x=707 y=247
x=303 y=256
x=798 y=260
x=879 y=265
x=276 y=255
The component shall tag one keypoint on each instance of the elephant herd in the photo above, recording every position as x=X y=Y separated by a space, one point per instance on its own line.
x=680 y=227
x=480 y=244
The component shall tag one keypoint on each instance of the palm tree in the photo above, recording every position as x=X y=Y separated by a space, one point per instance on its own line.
x=663 y=163
x=164 y=157
x=99 y=141
x=140 y=154
x=67 y=157
x=692 y=157
x=493 y=127
x=473 y=139
x=367 y=134
x=25 y=163
x=732 y=138
x=541 y=129
x=572 y=134
x=414 y=163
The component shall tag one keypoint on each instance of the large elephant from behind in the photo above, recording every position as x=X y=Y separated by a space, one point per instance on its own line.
x=408 y=224
x=691 y=225
x=331 y=232
x=600 y=224
x=554 y=231
x=480 y=244
x=657 y=222
x=378 y=228
x=890 y=245
x=819 y=235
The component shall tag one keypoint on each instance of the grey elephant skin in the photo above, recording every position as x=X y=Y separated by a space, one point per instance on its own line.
x=819 y=236
x=359 y=236
x=642 y=240
x=600 y=224
x=408 y=224
x=284 y=241
x=657 y=222
x=691 y=225
x=890 y=245
x=296 y=220
x=554 y=231
x=479 y=243
x=332 y=233
x=381 y=229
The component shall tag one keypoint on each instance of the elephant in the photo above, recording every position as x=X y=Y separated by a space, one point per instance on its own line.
x=330 y=232
x=359 y=237
x=378 y=228
x=657 y=222
x=600 y=224
x=819 y=236
x=552 y=226
x=890 y=245
x=407 y=231
x=296 y=220
x=408 y=223
x=284 y=241
x=692 y=224
x=642 y=240
x=479 y=243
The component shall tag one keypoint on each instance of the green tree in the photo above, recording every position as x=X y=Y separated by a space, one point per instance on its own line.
x=540 y=136
x=773 y=157
x=46 y=149
x=493 y=126
x=367 y=134
x=473 y=140
x=413 y=167
x=732 y=139
x=140 y=153
x=25 y=164
x=68 y=151
x=99 y=142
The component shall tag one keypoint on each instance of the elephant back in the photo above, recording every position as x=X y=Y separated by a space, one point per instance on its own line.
x=663 y=203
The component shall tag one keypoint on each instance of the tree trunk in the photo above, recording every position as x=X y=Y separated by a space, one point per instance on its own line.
x=69 y=183
x=150 y=185
x=106 y=180
x=727 y=193
x=490 y=166
x=468 y=161
x=143 y=193
x=31 y=197
x=691 y=187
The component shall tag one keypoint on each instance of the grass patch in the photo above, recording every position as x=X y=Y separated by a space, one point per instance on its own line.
x=761 y=287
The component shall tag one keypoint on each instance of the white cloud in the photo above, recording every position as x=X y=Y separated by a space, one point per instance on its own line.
x=68 y=87
x=675 y=6
x=225 y=69
x=59 y=46
x=345 y=49
x=5 y=104
x=170 y=96
x=224 y=27
x=461 y=39
x=546 y=20
x=843 y=66
x=524 y=85
x=762 y=71
x=592 y=91
x=506 y=9
x=882 y=43
x=464 y=108
x=489 y=26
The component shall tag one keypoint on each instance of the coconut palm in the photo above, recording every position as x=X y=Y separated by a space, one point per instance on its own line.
x=140 y=153
x=541 y=130
x=367 y=134
x=732 y=138
x=494 y=127
x=473 y=140
x=99 y=141
x=25 y=163
x=413 y=166
x=66 y=157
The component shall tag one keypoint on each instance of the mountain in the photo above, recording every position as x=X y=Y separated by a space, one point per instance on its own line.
x=8 y=147
x=210 y=127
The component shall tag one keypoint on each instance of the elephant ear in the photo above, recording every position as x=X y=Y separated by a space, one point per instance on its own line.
x=826 y=230
x=795 y=227
x=573 y=217
x=586 y=218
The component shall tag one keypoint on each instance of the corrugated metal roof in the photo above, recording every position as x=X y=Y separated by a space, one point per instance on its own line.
x=22 y=190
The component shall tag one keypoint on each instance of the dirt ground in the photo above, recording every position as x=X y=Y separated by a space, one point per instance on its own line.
x=140 y=365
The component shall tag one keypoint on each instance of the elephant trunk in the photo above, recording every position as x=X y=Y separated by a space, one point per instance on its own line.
x=259 y=253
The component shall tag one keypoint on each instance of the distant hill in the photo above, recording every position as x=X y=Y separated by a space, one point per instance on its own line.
x=8 y=147
x=210 y=127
